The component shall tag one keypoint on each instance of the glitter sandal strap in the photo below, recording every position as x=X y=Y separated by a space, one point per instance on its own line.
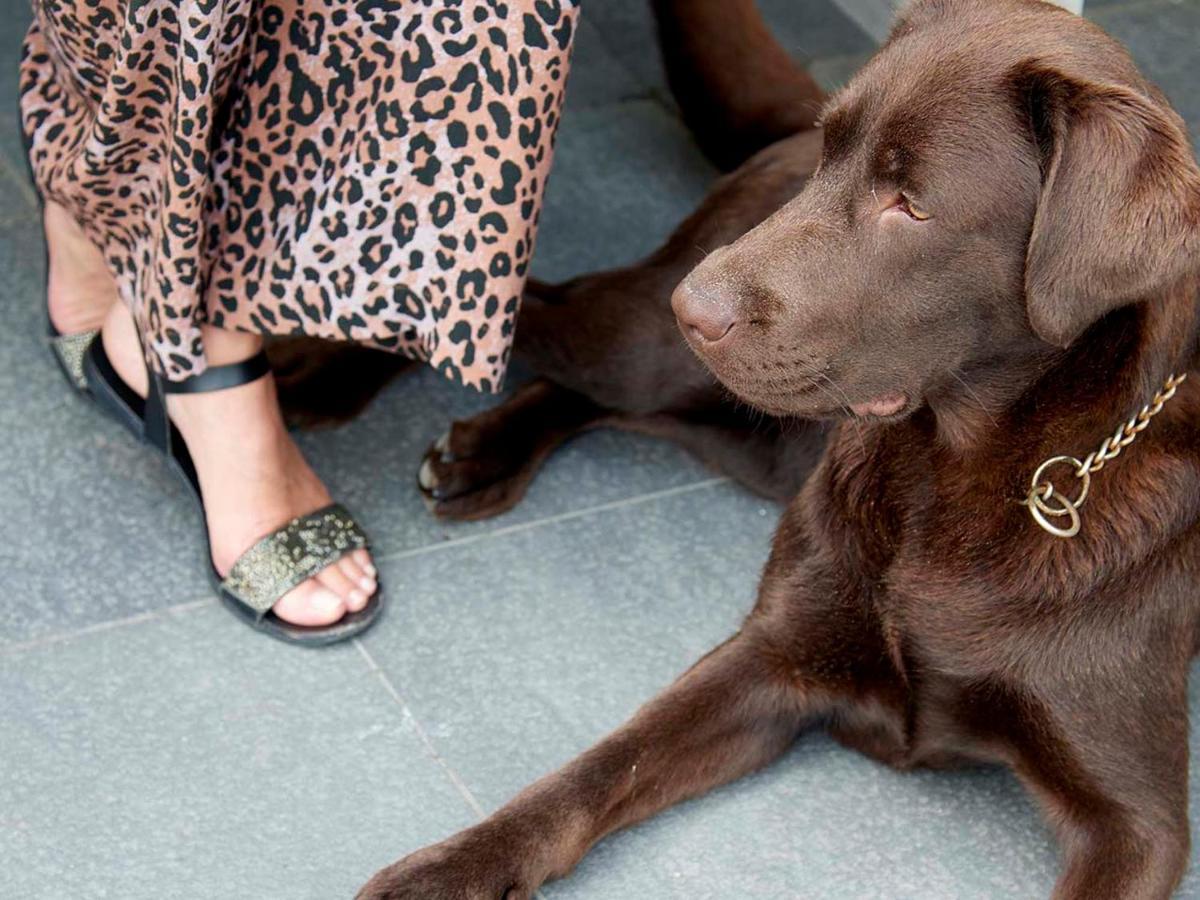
x=70 y=348
x=291 y=555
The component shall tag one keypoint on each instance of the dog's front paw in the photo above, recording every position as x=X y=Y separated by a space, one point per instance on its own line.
x=474 y=471
x=469 y=866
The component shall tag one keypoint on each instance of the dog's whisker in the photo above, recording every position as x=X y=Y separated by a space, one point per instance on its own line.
x=845 y=404
x=971 y=391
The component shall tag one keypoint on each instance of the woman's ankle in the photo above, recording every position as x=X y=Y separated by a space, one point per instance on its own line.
x=124 y=349
x=201 y=414
x=222 y=347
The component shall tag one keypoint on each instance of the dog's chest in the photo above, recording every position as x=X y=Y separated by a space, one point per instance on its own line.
x=929 y=556
x=954 y=656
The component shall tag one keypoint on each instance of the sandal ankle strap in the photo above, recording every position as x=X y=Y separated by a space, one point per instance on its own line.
x=220 y=378
x=157 y=424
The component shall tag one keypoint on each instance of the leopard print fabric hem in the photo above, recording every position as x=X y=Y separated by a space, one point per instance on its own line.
x=370 y=172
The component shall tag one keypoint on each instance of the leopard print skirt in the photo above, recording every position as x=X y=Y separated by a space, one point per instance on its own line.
x=368 y=171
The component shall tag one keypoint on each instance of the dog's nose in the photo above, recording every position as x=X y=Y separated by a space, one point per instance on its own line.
x=704 y=317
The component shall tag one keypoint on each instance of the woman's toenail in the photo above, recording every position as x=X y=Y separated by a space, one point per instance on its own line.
x=367 y=584
x=370 y=570
x=357 y=597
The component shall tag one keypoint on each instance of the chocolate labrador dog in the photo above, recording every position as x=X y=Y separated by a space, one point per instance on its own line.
x=986 y=259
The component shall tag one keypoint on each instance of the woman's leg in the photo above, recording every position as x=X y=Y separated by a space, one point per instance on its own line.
x=252 y=475
x=80 y=287
x=251 y=472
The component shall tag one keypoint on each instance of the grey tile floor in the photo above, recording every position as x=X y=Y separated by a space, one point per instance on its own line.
x=151 y=747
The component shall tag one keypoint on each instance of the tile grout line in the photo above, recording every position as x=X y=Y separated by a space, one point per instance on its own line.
x=861 y=21
x=98 y=627
x=454 y=777
x=626 y=502
x=189 y=605
x=615 y=58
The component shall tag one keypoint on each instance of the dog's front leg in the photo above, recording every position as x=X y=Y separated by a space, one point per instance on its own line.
x=733 y=712
x=1109 y=762
x=1133 y=847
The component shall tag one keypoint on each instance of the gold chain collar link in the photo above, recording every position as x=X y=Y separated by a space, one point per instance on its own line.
x=1046 y=504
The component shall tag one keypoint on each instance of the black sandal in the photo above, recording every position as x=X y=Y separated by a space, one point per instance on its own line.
x=279 y=561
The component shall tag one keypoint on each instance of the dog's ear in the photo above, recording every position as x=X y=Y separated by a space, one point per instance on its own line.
x=1117 y=216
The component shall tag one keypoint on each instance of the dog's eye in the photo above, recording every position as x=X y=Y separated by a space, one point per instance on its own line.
x=906 y=205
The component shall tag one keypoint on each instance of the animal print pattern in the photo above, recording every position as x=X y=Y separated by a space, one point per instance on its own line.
x=366 y=170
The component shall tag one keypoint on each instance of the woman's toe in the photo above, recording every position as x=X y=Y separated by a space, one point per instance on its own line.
x=364 y=561
x=311 y=604
x=357 y=600
x=335 y=579
x=366 y=585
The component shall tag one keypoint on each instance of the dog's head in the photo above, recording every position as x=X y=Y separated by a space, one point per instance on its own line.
x=997 y=179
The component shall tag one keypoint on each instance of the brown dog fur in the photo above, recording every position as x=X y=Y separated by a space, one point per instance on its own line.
x=910 y=604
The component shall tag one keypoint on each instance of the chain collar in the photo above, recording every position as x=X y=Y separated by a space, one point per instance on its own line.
x=1046 y=504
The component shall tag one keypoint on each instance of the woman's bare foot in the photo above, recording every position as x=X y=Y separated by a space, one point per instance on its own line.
x=251 y=472
x=80 y=288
